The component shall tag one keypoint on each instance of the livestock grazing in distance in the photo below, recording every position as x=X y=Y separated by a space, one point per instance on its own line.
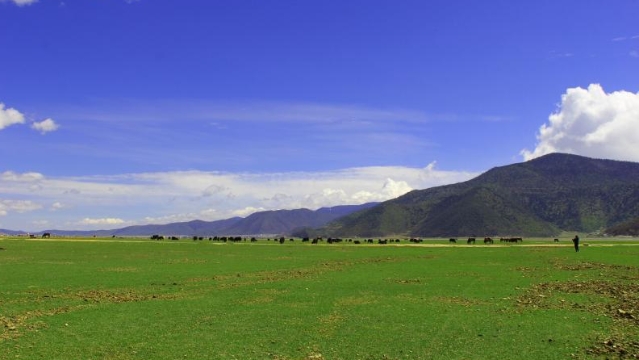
x=511 y=240
x=157 y=237
x=46 y=235
x=470 y=240
x=488 y=240
x=452 y=241
x=556 y=240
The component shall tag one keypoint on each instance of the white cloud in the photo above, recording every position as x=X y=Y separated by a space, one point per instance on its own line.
x=10 y=116
x=21 y=2
x=20 y=206
x=57 y=206
x=101 y=221
x=45 y=126
x=246 y=211
x=593 y=123
x=159 y=198
x=26 y=177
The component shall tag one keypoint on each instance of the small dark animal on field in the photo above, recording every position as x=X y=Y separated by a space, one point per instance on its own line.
x=452 y=240
x=46 y=235
x=556 y=240
x=470 y=241
x=488 y=240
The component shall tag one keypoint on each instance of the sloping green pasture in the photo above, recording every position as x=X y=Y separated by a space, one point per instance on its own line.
x=201 y=300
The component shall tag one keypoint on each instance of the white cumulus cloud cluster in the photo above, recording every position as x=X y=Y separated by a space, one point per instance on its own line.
x=592 y=123
x=10 y=116
x=45 y=126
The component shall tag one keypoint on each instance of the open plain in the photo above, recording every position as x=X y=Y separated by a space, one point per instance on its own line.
x=141 y=299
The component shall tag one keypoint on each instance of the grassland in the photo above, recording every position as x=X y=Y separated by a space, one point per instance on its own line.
x=140 y=299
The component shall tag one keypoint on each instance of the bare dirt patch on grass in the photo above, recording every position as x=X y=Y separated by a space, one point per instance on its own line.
x=617 y=300
x=13 y=326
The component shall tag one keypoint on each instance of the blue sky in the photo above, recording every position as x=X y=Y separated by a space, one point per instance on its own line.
x=123 y=112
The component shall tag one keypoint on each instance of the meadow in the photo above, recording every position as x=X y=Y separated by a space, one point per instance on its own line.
x=143 y=299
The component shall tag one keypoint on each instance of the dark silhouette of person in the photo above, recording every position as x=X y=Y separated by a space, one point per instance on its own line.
x=576 y=242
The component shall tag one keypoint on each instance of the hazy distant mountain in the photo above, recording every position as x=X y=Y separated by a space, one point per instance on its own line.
x=285 y=221
x=266 y=222
x=11 y=232
x=540 y=197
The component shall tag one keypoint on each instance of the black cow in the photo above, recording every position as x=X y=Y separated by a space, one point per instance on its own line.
x=46 y=235
x=452 y=240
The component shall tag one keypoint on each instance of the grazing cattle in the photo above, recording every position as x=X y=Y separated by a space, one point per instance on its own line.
x=46 y=235
x=488 y=240
x=556 y=240
x=282 y=240
x=356 y=242
x=470 y=240
x=157 y=237
x=452 y=241
x=253 y=239
x=172 y=238
x=383 y=242
x=511 y=240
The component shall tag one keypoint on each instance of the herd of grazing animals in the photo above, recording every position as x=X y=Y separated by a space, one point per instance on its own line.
x=317 y=240
x=331 y=240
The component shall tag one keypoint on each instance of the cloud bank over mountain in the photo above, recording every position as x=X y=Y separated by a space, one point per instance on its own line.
x=592 y=123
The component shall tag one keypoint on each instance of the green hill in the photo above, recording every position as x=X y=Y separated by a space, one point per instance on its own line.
x=541 y=197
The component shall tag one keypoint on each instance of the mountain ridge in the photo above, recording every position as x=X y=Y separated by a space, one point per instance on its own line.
x=274 y=222
x=541 y=197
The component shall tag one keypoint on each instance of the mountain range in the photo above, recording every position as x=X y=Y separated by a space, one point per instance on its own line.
x=275 y=222
x=541 y=197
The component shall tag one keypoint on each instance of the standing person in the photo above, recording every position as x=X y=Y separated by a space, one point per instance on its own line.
x=576 y=242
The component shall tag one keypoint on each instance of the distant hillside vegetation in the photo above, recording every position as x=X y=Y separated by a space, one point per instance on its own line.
x=541 y=197
x=630 y=228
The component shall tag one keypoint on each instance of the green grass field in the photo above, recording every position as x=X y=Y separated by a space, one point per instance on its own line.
x=142 y=299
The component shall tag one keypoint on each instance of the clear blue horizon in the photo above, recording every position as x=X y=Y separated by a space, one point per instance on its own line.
x=124 y=112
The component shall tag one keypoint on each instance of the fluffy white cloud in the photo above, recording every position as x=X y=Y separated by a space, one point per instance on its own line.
x=10 y=116
x=592 y=123
x=45 y=126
